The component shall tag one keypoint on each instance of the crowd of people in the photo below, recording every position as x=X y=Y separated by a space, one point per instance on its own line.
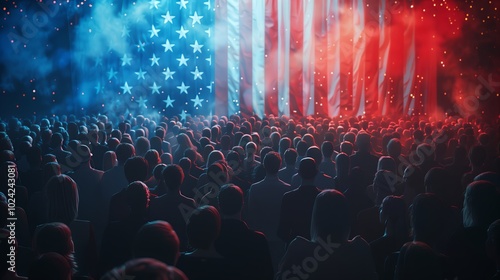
x=249 y=198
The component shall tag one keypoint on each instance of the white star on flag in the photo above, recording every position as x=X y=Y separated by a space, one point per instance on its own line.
x=182 y=4
x=196 y=18
x=125 y=60
x=197 y=101
x=153 y=31
x=153 y=4
x=142 y=102
x=111 y=74
x=182 y=32
x=168 y=46
x=196 y=47
x=182 y=60
x=169 y=74
x=126 y=88
x=197 y=74
x=183 y=115
x=154 y=60
x=168 y=18
x=155 y=88
x=169 y=102
x=183 y=88
x=140 y=74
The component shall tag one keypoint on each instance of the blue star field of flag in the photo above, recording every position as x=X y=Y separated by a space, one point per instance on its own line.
x=166 y=65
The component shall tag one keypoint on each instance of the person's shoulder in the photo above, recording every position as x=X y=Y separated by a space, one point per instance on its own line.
x=359 y=243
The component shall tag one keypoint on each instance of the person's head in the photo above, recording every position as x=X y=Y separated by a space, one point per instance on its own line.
x=217 y=173
x=394 y=148
x=418 y=261
x=272 y=163
x=250 y=149
x=62 y=199
x=477 y=156
x=185 y=164
x=437 y=180
x=308 y=169
x=108 y=160
x=56 y=141
x=315 y=153
x=225 y=142
x=184 y=141
x=425 y=152
x=54 y=237
x=173 y=176
x=136 y=169
x=493 y=241
x=144 y=269
x=290 y=157
x=330 y=217
x=481 y=204
x=327 y=149
x=393 y=214
x=427 y=218
x=52 y=266
x=158 y=240
x=214 y=156
x=302 y=148
x=156 y=144
x=347 y=148
x=343 y=163
x=386 y=163
x=153 y=158
x=363 y=142
x=124 y=151
x=137 y=195
x=203 y=227
x=284 y=144
x=230 y=200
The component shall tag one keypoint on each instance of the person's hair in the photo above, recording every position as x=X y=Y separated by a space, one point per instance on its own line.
x=185 y=164
x=54 y=237
x=343 y=164
x=327 y=149
x=136 y=169
x=493 y=241
x=214 y=156
x=230 y=199
x=158 y=240
x=437 y=181
x=315 y=153
x=153 y=158
x=477 y=156
x=386 y=163
x=418 y=261
x=272 y=163
x=142 y=145
x=308 y=168
x=330 y=217
x=137 y=195
x=108 y=160
x=144 y=269
x=284 y=144
x=301 y=148
x=394 y=147
x=346 y=147
x=51 y=266
x=481 y=204
x=225 y=142
x=124 y=151
x=62 y=199
x=173 y=176
x=427 y=217
x=57 y=140
x=203 y=227
x=290 y=156
x=393 y=211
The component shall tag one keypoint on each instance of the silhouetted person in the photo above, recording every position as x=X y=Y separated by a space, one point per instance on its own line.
x=286 y=173
x=157 y=240
x=393 y=216
x=173 y=207
x=204 y=262
x=119 y=235
x=296 y=206
x=144 y=269
x=329 y=250
x=264 y=204
x=237 y=242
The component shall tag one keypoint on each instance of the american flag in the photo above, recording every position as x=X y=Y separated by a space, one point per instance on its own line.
x=298 y=58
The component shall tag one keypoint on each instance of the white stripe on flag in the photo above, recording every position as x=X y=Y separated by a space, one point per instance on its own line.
x=258 y=56
x=233 y=56
x=284 y=57
x=308 y=58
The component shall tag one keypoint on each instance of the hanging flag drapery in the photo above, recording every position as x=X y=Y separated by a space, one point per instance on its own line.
x=280 y=57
